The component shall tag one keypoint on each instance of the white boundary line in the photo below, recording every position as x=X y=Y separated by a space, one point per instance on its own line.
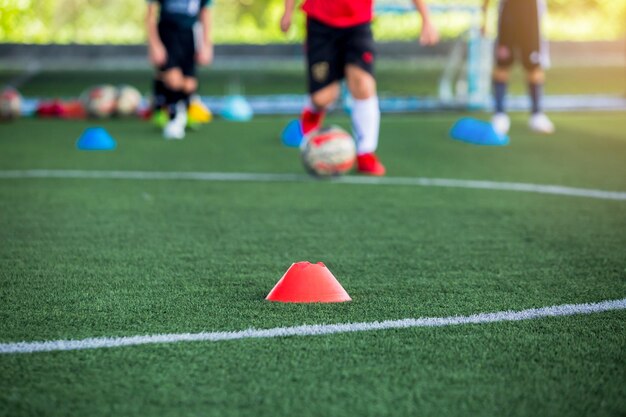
x=313 y=330
x=258 y=177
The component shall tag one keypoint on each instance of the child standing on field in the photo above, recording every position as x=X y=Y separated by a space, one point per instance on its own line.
x=519 y=34
x=340 y=44
x=174 y=50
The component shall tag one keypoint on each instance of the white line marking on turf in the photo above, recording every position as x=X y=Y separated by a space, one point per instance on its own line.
x=313 y=330
x=257 y=177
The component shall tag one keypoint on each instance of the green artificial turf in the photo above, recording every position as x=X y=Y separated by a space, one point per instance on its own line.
x=397 y=79
x=86 y=258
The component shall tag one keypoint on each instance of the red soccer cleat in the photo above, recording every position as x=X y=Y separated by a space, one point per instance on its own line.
x=311 y=120
x=369 y=164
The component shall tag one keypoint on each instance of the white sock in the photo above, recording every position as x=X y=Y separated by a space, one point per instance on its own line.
x=366 y=124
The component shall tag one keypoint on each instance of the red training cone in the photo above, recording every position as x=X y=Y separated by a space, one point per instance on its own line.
x=305 y=282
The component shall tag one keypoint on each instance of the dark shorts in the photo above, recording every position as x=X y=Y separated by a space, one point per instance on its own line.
x=181 y=49
x=519 y=34
x=330 y=49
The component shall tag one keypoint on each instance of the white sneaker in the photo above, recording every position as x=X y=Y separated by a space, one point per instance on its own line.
x=540 y=123
x=174 y=130
x=501 y=123
x=181 y=113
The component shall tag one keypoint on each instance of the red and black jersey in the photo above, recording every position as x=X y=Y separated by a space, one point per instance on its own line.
x=340 y=13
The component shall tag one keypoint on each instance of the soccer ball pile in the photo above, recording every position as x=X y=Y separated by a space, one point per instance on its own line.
x=10 y=104
x=329 y=151
x=106 y=100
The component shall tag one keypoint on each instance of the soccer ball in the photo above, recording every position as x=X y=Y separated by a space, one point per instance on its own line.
x=10 y=103
x=128 y=100
x=328 y=151
x=100 y=101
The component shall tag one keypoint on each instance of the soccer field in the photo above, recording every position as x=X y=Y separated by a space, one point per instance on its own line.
x=117 y=254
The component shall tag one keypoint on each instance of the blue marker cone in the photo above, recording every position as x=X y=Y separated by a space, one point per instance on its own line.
x=96 y=139
x=237 y=109
x=292 y=134
x=477 y=132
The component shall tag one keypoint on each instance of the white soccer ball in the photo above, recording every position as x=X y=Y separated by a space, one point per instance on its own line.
x=10 y=103
x=100 y=101
x=328 y=151
x=128 y=100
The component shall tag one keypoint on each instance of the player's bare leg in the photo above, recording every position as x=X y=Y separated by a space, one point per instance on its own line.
x=365 y=118
x=538 y=122
x=314 y=112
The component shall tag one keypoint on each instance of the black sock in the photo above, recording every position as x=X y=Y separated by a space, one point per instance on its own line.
x=499 y=93
x=160 y=91
x=535 y=91
x=173 y=97
x=186 y=97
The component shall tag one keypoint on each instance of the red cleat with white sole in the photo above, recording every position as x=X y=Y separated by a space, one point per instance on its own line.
x=369 y=164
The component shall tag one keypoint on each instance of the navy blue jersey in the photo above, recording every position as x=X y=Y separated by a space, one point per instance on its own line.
x=180 y=13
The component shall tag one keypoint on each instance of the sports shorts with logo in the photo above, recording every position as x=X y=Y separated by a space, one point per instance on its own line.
x=329 y=49
x=519 y=34
x=180 y=45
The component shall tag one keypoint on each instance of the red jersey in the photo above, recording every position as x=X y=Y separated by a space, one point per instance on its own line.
x=340 y=13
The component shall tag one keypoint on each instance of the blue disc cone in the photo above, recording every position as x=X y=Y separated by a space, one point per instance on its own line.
x=477 y=132
x=292 y=134
x=237 y=109
x=95 y=139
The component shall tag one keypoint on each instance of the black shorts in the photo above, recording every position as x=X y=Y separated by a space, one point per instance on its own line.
x=519 y=33
x=330 y=49
x=181 y=49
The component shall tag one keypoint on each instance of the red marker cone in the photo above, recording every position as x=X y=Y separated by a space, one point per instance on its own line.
x=305 y=282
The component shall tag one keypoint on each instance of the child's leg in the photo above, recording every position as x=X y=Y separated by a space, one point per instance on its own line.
x=500 y=83
x=174 y=83
x=535 y=78
x=365 y=110
x=189 y=88
x=324 y=71
x=500 y=77
x=313 y=114
x=365 y=119
x=159 y=92
x=538 y=122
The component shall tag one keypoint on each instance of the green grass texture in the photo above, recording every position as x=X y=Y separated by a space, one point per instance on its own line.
x=92 y=258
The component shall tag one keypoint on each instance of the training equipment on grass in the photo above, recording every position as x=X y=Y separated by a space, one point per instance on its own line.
x=100 y=101
x=237 y=109
x=477 y=132
x=10 y=104
x=292 y=134
x=128 y=100
x=198 y=113
x=73 y=109
x=49 y=108
x=96 y=139
x=160 y=117
x=305 y=282
x=328 y=151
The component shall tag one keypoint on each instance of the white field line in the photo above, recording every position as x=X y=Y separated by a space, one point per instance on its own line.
x=258 y=177
x=313 y=330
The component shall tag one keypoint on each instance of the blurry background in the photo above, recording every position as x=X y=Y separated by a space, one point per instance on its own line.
x=57 y=48
x=255 y=21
